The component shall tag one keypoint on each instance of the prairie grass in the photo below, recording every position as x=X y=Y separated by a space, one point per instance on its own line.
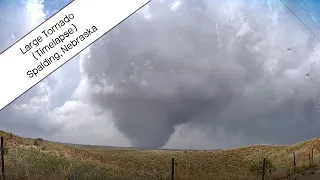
x=38 y=159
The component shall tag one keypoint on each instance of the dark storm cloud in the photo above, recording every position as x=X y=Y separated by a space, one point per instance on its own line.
x=232 y=65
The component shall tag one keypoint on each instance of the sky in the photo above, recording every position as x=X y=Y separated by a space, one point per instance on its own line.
x=186 y=74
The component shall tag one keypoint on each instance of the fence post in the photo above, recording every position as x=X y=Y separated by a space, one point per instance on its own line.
x=294 y=162
x=309 y=159
x=172 y=169
x=263 y=168
x=2 y=158
x=312 y=156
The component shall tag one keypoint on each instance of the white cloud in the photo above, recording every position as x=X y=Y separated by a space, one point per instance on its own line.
x=35 y=13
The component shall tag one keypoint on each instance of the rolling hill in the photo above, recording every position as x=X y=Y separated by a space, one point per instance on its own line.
x=39 y=159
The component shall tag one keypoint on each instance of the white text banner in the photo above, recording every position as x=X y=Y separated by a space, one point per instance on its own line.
x=56 y=41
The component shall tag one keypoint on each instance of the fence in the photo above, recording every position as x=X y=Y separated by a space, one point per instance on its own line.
x=267 y=165
x=264 y=167
x=2 y=159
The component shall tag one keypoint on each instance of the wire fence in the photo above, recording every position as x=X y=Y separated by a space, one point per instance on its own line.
x=264 y=169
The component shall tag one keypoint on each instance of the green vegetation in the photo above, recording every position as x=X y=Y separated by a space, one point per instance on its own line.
x=38 y=159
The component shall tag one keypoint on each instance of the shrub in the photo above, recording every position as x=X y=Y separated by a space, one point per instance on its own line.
x=38 y=141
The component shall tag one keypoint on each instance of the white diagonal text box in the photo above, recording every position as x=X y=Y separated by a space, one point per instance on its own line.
x=56 y=41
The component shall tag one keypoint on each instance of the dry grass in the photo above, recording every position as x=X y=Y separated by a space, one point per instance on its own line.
x=38 y=159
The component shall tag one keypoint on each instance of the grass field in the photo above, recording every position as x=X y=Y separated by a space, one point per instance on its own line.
x=37 y=160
